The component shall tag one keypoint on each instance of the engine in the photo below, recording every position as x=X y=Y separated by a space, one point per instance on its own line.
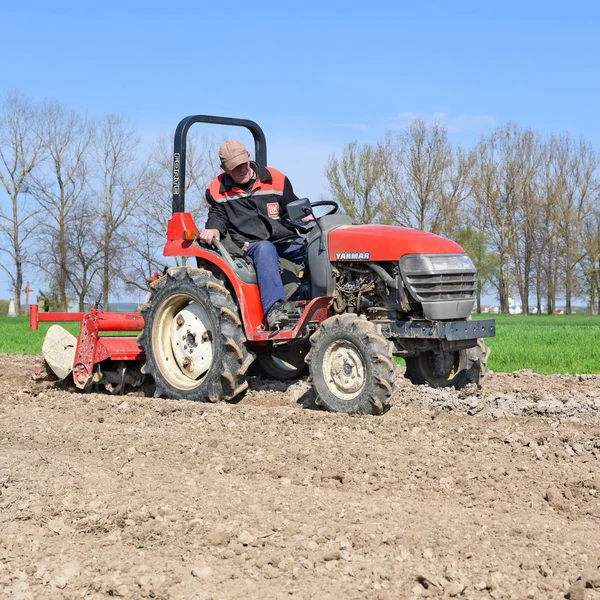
x=433 y=287
x=359 y=289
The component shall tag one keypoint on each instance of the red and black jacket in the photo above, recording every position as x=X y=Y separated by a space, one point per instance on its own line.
x=256 y=213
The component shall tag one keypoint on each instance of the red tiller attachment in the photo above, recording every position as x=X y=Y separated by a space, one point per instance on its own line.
x=91 y=349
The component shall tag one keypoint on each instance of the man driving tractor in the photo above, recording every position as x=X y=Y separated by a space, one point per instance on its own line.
x=249 y=202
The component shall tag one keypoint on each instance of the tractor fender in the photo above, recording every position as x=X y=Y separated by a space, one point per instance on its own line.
x=247 y=295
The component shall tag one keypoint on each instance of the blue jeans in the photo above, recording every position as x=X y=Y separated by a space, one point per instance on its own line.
x=265 y=255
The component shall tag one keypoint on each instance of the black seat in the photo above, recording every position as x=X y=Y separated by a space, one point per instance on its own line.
x=291 y=273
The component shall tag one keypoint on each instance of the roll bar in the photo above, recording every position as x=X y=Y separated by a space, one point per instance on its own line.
x=179 y=150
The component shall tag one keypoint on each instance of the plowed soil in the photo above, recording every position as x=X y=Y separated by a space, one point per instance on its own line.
x=491 y=493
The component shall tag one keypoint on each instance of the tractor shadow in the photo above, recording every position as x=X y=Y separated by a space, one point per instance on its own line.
x=280 y=392
x=308 y=400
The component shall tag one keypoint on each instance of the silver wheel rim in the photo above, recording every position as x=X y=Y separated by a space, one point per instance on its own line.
x=344 y=370
x=283 y=365
x=183 y=341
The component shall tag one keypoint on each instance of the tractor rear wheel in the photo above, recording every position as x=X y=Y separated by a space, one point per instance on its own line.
x=193 y=339
x=449 y=369
x=284 y=363
x=351 y=366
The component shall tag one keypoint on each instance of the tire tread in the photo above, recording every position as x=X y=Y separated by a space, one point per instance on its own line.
x=224 y=381
x=374 y=398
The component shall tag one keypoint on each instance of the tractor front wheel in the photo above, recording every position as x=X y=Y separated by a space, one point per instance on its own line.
x=449 y=369
x=193 y=339
x=351 y=366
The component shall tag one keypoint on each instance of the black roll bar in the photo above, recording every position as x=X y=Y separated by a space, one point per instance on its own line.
x=179 y=150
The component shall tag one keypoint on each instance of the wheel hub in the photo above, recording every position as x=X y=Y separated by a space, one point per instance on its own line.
x=191 y=342
x=344 y=370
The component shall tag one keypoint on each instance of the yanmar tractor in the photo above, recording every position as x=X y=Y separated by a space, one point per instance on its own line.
x=366 y=294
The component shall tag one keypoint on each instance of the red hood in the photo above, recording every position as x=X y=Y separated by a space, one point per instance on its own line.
x=383 y=242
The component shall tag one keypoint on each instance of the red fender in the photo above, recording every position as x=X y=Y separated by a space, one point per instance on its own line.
x=247 y=294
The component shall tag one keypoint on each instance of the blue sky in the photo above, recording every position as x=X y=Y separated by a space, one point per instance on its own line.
x=314 y=75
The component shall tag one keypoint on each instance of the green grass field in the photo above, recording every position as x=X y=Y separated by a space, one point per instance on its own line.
x=544 y=344
x=17 y=338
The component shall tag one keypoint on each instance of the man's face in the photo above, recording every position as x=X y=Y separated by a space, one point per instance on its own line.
x=241 y=174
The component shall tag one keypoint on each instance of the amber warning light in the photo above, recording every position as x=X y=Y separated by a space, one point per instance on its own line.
x=189 y=235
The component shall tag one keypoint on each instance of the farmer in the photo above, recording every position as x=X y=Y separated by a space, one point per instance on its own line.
x=249 y=202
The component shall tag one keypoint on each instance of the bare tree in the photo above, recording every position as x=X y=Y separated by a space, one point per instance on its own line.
x=66 y=136
x=149 y=224
x=426 y=180
x=575 y=171
x=85 y=255
x=591 y=262
x=475 y=243
x=500 y=167
x=528 y=204
x=356 y=180
x=20 y=152
x=201 y=167
x=547 y=247
x=456 y=192
x=145 y=253
x=118 y=185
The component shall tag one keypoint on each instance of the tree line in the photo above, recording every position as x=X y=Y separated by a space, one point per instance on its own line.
x=526 y=207
x=86 y=203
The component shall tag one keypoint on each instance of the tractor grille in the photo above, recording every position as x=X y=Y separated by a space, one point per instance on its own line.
x=435 y=287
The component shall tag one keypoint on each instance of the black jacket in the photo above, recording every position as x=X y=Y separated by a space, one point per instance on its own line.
x=250 y=215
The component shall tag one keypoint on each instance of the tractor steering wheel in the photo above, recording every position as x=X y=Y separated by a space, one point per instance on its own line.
x=334 y=206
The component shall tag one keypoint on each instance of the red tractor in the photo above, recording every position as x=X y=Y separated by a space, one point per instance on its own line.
x=367 y=294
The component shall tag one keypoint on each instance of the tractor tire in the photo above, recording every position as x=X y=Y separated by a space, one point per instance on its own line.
x=283 y=364
x=460 y=368
x=193 y=338
x=351 y=366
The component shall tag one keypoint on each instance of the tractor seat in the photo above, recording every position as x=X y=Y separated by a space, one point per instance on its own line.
x=243 y=266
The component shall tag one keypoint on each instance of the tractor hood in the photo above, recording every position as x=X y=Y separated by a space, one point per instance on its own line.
x=384 y=243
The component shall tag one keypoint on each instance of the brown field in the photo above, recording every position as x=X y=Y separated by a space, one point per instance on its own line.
x=473 y=494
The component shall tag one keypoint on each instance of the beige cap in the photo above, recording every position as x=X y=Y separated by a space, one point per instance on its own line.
x=232 y=154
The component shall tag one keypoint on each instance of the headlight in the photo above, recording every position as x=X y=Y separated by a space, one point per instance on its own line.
x=436 y=263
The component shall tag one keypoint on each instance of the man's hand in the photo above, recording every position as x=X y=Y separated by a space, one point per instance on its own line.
x=208 y=234
x=308 y=218
x=246 y=246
